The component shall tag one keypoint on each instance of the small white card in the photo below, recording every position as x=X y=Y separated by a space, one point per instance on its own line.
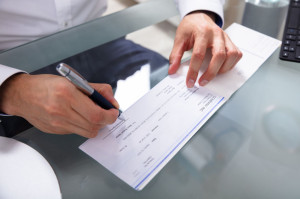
x=159 y=124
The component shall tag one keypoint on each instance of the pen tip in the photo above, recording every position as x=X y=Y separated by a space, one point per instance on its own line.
x=121 y=117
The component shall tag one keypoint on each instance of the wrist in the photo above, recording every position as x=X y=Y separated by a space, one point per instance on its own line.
x=10 y=93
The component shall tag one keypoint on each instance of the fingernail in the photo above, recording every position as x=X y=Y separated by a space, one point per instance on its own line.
x=190 y=83
x=203 y=82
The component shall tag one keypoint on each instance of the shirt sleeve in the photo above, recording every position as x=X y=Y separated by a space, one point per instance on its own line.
x=7 y=72
x=215 y=6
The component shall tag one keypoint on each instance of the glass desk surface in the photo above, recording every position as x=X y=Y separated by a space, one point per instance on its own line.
x=250 y=148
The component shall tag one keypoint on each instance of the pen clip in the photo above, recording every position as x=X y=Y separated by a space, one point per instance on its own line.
x=72 y=75
x=65 y=74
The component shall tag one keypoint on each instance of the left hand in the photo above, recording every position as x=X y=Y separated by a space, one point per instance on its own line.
x=199 y=31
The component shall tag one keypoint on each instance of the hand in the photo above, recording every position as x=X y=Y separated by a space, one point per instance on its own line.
x=54 y=105
x=199 y=31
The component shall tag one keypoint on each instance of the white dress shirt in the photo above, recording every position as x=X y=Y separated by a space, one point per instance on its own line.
x=23 y=21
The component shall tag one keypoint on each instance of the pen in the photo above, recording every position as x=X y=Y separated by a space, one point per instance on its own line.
x=82 y=84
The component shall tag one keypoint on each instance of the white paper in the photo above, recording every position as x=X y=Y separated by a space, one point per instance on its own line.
x=156 y=126
x=159 y=124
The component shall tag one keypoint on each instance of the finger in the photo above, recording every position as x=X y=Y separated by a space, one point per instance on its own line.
x=198 y=55
x=176 y=55
x=76 y=119
x=66 y=127
x=45 y=126
x=98 y=115
x=62 y=127
x=106 y=91
x=232 y=55
x=93 y=113
x=217 y=60
x=106 y=117
x=240 y=55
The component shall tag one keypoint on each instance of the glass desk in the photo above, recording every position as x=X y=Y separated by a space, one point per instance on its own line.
x=250 y=148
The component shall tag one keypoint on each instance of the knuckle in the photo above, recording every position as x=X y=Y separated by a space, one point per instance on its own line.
x=174 y=56
x=61 y=87
x=175 y=59
x=94 y=129
x=95 y=117
x=223 y=70
x=210 y=74
x=220 y=54
x=92 y=134
x=240 y=54
x=217 y=29
x=205 y=26
x=232 y=53
x=107 y=87
x=193 y=71
x=53 y=110
x=62 y=91
x=199 y=54
x=55 y=123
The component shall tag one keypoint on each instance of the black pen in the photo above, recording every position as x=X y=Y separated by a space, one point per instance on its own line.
x=82 y=84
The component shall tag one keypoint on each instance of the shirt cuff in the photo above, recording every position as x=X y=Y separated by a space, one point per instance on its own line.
x=7 y=72
x=216 y=6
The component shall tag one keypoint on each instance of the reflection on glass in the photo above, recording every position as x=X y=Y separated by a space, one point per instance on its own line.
x=282 y=126
x=212 y=148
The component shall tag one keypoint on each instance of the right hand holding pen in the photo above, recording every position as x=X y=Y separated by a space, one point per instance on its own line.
x=54 y=105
